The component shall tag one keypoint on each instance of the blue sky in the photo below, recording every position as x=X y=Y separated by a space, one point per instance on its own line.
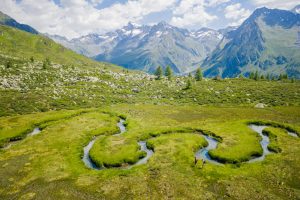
x=74 y=18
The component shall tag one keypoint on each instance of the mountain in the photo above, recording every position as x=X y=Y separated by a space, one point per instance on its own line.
x=142 y=47
x=210 y=38
x=296 y=9
x=265 y=42
x=227 y=30
x=8 y=21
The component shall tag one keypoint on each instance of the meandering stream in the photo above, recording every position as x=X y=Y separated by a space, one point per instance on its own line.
x=264 y=142
x=35 y=131
x=86 y=157
x=90 y=164
x=212 y=144
x=200 y=154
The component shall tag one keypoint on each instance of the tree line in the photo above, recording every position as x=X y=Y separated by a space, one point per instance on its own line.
x=256 y=76
x=159 y=73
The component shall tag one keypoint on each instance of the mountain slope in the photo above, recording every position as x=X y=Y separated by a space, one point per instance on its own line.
x=8 y=21
x=161 y=45
x=264 y=42
x=296 y=9
x=38 y=46
x=145 y=47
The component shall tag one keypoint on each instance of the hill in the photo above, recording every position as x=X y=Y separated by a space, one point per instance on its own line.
x=25 y=45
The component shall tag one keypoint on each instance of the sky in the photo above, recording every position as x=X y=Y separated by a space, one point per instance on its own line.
x=74 y=18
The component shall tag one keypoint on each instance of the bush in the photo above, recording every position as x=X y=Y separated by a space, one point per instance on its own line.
x=9 y=64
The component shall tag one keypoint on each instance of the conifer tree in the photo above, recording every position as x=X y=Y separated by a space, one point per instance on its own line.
x=251 y=76
x=272 y=78
x=9 y=64
x=293 y=80
x=188 y=84
x=45 y=65
x=198 y=75
x=169 y=73
x=48 y=61
x=256 y=76
x=158 y=73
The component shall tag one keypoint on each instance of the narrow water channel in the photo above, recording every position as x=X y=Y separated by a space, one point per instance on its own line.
x=201 y=154
x=90 y=164
x=264 y=142
x=212 y=144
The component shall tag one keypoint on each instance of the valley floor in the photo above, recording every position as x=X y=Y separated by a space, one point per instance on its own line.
x=48 y=165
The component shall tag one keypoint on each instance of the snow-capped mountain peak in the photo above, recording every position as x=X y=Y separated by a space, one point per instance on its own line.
x=205 y=33
x=296 y=9
x=144 y=47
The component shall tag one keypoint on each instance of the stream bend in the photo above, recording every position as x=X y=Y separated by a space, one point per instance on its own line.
x=212 y=144
x=90 y=164
x=202 y=153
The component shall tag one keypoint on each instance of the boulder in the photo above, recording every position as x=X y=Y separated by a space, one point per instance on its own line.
x=136 y=90
x=260 y=105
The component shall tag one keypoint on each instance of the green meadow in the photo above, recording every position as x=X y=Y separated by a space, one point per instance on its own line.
x=50 y=164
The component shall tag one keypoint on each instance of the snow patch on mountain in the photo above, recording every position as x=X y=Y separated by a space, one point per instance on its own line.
x=144 y=47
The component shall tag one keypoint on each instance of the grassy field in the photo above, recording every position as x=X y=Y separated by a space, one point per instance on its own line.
x=73 y=100
x=50 y=162
x=71 y=81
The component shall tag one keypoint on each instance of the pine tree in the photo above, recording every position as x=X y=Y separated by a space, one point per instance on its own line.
x=158 y=73
x=198 y=75
x=293 y=80
x=262 y=77
x=44 y=65
x=169 y=73
x=256 y=76
x=48 y=61
x=251 y=76
x=188 y=84
x=8 y=64
x=272 y=78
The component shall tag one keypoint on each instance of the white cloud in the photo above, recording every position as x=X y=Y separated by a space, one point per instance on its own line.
x=79 y=17
x=282 y=4
x=236 y=13
x=96 y=2
x=214 y=3
x=193 y=12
